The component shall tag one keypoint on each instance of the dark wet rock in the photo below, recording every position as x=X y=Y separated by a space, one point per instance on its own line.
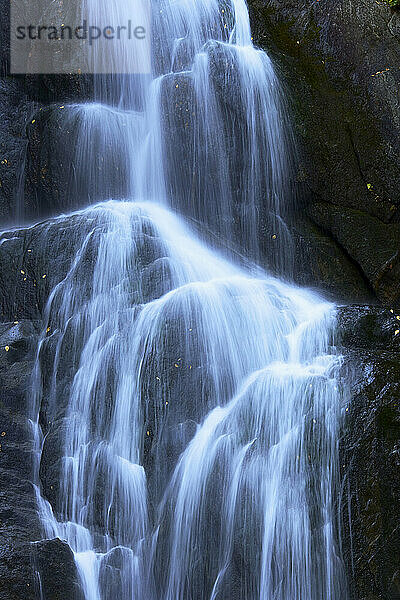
x=114 y=574
x=18 y=579
x=19 y=522
x=46 y=89
x=370 y=452
x=178 y=120
x=20 y=559
x=25 y=274
x=33 y=261
x=58 y=573
x=15 y=112
x=18 y=199
x=51 y=462
x=20 y=97
x=322 y=262
x=375 y=247
x=39 y=570
x=39 y=88
x=339 y=61
x=23 y=167
x=73 y=160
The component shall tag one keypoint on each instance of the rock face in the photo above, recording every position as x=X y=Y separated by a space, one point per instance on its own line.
x=19 y=523
x=340 y=61
x=370 y=452
x=21 y=96
x=58 y=576
x=20 y=527
x=26 y=276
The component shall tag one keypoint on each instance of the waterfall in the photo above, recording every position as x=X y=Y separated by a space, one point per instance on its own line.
x=194 y=397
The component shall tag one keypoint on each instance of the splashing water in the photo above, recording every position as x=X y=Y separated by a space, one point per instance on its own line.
x=195 y=402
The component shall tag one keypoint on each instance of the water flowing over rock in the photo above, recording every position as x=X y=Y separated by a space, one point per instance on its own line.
x=173 y=405
x=127 y=373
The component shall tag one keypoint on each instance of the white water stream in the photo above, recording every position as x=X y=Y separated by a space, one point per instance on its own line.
x=201 y=401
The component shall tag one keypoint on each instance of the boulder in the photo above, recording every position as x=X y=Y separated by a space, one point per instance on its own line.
x=58 y=573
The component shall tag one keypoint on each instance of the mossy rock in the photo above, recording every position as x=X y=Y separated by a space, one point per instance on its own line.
x=339 y=63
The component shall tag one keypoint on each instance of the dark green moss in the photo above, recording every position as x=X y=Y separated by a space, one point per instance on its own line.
x=393 y=3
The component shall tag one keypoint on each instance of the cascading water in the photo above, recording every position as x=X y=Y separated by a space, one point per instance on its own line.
x=196 y=401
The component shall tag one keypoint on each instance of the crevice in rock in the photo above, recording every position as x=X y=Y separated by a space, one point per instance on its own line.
x=350 y=259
